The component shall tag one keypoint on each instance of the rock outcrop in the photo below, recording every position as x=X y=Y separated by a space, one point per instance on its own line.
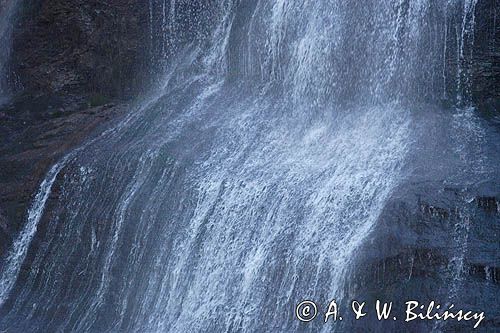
x=76 y=65
x=92 y=51
x=486 y=58
x=30 y=148
x=434 y=249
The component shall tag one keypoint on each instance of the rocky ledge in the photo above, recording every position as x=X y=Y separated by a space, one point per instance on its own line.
x=30 y=145
x=75 y=67
x=437 y=242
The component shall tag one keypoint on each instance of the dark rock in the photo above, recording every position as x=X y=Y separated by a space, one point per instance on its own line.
x=486 y=57
x=444 y=248
x=32 y=147
x=72 y=60
x=489 y=204
x=84 y=49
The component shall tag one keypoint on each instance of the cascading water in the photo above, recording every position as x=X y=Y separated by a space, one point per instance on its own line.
x=246 y=184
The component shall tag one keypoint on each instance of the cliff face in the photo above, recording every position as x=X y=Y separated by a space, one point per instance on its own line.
x=90 y=52
x=486 y=57
x=74 y=63
x=93 y=51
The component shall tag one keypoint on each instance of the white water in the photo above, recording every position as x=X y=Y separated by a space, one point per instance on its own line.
x=21 y=244
x=222 y=203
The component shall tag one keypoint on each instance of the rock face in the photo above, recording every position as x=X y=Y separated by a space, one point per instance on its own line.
x=434 y=247
x=71 y=59
x=486 y=57
x=29 y=149
x=93 y=51
x=472 y=56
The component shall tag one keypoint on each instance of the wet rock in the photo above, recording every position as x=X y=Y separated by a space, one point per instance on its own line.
x=81 y=49
x=486 y=58
x=488 y=204
x=432 y=244
x=32 y=147
x=72 y=60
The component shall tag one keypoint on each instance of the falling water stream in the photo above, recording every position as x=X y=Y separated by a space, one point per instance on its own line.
x=246 y=182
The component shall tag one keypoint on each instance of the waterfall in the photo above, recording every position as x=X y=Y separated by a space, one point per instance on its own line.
x=247 y=183
x=20 y=247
